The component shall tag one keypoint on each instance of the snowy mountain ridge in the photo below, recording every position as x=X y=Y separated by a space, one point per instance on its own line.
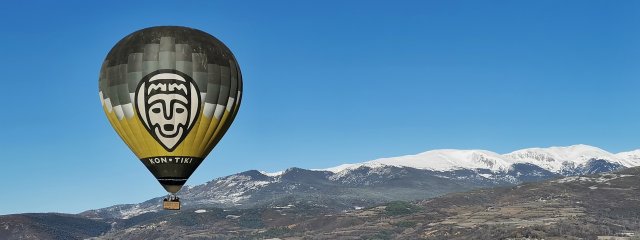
x=553 y=159
x=406 y=178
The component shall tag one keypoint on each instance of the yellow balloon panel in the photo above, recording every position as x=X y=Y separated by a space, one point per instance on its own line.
x=197 y=143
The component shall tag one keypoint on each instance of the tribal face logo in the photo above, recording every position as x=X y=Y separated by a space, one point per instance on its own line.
x=168 y=104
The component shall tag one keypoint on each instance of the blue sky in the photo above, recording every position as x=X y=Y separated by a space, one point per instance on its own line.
x=326 y=83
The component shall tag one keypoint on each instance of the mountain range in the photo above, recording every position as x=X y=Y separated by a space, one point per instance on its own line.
x=597 y=206
x=421 y=176
x=347 y=187
x=552 y=159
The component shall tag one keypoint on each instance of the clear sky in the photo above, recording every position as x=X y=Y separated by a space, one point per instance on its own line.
x=326 y=82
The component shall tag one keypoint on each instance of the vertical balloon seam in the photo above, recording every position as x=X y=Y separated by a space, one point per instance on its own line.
x=201 y=135
x=150 y=55
x=203 y=123
x=181 y=66
x=224 y=78
x=214 y=76
x=171 y=111
x=165 y=61
x=228 y=114
x=121 y=69
x=112 y=116
x=178 y=150
x=225 y=100
x=233 y=90
x=137 y=125
x=150 y=144
x=221 y=128
x=193 y=134
x=211 y=133
x=107 y=101
x=218 y=136
x=147 y=147
x=194 y=145
x=123 y=123
x=115 y=126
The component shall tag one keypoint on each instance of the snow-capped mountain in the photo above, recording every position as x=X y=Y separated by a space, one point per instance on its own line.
x=558 y=159
x=439 y=160
x=553 y=159
x=424 y=175
x=631 y=156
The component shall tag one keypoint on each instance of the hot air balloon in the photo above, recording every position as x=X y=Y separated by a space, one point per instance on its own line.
x=170 y=93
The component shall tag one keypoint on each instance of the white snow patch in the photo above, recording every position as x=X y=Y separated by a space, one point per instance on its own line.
x=603 y=178
x=134 y=211
x=273 y=174
x=486 y=175
x=282 y=207
x=258 y=184
x=145 y=227
x=568 y=179
x=632 y=156
x=231 y=190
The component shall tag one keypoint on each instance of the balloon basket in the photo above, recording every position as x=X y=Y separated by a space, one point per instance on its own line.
x=171 y=204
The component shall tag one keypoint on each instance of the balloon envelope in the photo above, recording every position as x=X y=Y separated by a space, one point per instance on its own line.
x=170 y=93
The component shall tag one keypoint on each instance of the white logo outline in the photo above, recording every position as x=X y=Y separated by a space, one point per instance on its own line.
x=168 y=104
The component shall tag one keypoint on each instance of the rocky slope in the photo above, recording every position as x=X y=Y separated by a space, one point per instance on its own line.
x=580 y=207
